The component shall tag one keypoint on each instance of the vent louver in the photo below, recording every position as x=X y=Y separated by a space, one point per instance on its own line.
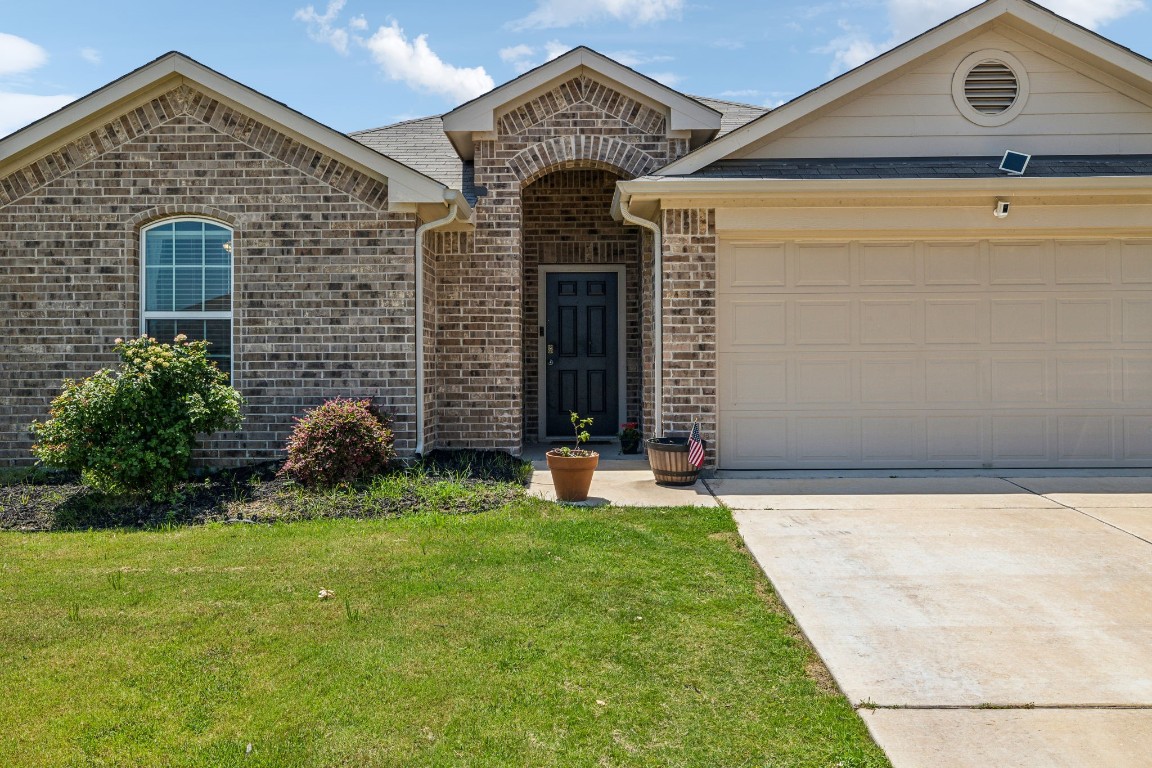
x=991 y=87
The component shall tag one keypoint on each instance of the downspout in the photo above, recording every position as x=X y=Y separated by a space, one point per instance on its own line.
x=450 y=197
x=657 y=310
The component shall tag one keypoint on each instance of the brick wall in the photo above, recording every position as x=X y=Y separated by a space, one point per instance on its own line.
x=579 y=124
x=690 y=323
x=323 y=275
x=567 y=220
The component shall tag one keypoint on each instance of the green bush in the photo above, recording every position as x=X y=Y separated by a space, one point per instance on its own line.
x=133 y=429
x=341 y=441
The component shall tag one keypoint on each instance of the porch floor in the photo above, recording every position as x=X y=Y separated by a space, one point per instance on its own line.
x=622 y=480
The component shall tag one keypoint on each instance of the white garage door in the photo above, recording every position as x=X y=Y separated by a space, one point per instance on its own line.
x=935 y=353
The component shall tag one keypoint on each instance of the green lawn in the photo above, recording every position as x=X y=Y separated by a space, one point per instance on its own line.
x=535 y=635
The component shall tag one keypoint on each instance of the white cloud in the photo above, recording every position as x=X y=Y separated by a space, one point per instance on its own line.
x=19 y=55
x=91 y=55
x=524 y=57
x=550 y=14
x=19 y=109
x=670 y=79
x=554 y=49
x=321 y=28
x=852 y=49
x=636 y=58
x=418 y=66
x=908 y=18
x=411 y=62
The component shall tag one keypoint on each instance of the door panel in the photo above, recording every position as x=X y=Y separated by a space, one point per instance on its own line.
x=582 y=351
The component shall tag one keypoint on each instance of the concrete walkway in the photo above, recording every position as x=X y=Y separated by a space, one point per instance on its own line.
x=992 y=621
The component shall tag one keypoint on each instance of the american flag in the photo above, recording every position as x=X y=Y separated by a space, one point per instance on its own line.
x=696 y=447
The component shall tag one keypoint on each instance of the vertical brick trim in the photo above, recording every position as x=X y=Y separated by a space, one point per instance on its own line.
x=428 y=307
x=690 y=322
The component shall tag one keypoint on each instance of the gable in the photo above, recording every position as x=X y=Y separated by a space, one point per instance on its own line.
x=1066 y=111
x=682 y=113
x=1025 y=27
x=91 y=124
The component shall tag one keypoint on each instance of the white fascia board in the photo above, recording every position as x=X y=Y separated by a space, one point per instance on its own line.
x=654 y=188
x=1018 y=14
x=405 y=185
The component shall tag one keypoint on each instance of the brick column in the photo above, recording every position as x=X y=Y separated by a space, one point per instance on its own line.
x=689 y=385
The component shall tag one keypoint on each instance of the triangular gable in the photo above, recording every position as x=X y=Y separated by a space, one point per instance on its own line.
x=1120 y=68
x=406 y=187
x=479 y=115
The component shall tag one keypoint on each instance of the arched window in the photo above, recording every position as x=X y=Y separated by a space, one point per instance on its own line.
x=186 y=284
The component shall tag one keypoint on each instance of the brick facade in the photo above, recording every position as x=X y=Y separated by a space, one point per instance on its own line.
x=580 y=124
x=323 y=274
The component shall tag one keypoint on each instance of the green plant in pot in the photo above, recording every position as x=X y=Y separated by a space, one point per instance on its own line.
x=572 y=468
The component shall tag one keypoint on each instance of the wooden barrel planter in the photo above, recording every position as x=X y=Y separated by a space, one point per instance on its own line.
x=668 y=457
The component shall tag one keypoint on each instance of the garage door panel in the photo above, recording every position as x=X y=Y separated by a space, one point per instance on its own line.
x=1018 y=439
x=1018 y=321
x=752 y=383
x=1017 y=263
x=953 y=380
x=891 y=440
x=888 y=264
x=1086 y=437
x=941 y=353
x=823 y=264
x=890 y=321
x=953 y=321
x=1079 y=262
x=1136 y=262
x=959 y=264
x=888 y=381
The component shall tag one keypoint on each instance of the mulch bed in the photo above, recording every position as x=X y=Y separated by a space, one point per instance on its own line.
x=254 y=494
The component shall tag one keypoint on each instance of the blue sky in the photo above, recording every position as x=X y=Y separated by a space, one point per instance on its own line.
x=356 y=64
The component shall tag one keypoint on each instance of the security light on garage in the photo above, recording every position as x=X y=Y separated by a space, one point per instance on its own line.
x=1014 y=163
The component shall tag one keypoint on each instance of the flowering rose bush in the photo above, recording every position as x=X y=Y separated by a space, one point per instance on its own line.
x=339 y=442
x=133 y=429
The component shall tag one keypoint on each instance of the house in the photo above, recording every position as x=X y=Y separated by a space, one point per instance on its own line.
x=849 y=280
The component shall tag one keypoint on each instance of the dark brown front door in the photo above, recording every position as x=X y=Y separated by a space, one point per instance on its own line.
x=581 y=351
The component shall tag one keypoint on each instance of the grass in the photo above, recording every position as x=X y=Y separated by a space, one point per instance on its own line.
x=532 y=635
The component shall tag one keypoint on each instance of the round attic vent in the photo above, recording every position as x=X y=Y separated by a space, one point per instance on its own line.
x=990 y=87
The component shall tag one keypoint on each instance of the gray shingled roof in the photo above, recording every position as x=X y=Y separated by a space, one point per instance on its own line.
x=422 y=144
x=924 y=167
x=733 y=114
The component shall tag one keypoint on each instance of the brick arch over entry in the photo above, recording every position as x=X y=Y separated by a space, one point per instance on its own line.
x=580 y=151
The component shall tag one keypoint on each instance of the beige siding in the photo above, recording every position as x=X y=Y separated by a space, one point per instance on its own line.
x=1067 y=112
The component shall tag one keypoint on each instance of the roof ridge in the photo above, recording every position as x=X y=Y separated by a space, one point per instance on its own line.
x=396 y=125
x=728 y=101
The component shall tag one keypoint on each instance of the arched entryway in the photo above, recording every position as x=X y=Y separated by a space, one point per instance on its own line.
x=582 y=289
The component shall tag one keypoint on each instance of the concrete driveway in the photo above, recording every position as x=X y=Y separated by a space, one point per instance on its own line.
x=991 y=621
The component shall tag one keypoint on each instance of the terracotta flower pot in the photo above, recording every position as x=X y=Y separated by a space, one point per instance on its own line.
x=572 y=475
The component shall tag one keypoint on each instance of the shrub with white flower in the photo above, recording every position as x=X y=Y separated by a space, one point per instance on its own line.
x=132 y=429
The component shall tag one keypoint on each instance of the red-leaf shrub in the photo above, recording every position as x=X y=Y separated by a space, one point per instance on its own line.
x=340 y=442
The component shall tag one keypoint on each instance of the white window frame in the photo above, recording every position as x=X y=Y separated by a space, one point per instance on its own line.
x=146 y=315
